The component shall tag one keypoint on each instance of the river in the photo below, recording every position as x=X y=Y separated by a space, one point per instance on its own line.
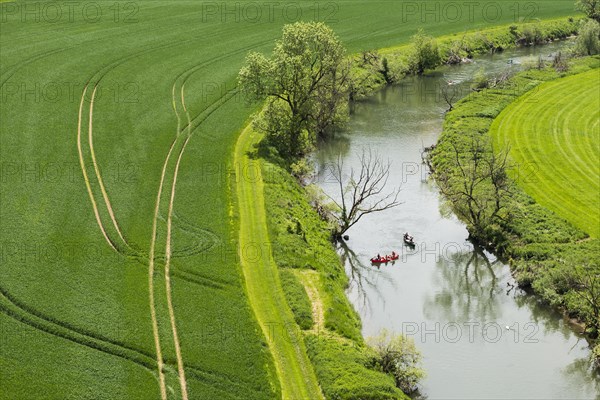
x=481 y=338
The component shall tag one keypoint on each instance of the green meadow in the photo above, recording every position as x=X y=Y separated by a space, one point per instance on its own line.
x=554 y=129
x=118 y=124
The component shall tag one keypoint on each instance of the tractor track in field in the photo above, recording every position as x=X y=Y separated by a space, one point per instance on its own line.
x=33 y=318
x=190 y=126
x=180 y=367
x=86 y=178
x=102 y=72
x=97 y=170
x=167 y=273
x=13 y=69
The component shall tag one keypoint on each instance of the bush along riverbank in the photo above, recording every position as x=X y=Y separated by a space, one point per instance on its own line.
x=373 y=70
x=547 y=254
x=314 y=282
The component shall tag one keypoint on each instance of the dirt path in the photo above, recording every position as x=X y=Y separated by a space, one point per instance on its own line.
x=310 y=281
x=294 y=369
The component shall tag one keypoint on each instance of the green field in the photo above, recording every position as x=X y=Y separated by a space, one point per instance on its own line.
x=91 y=222
x=554 y=137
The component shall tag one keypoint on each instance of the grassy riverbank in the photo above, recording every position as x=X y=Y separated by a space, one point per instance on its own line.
x=546 y=252
x=316 y=280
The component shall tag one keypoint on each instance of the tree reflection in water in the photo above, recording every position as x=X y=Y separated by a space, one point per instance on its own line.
x=582 y=374
x=467 y=288
x=364 y=279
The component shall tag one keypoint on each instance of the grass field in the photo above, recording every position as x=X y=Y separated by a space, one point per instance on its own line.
x=554 y=133
x=117 y=132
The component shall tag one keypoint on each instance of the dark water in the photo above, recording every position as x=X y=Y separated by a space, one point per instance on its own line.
x=455 y=301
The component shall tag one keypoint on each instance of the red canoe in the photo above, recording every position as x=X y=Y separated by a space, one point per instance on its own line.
x=384 y=260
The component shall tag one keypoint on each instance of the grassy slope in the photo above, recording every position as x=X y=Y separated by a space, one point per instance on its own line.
x=556 y=128
x=263 y=285
x=55 y=263
x=302 y=248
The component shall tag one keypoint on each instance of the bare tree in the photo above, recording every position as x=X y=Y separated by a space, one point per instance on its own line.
x=448 y=95
x=479 y=185
x=362 y=193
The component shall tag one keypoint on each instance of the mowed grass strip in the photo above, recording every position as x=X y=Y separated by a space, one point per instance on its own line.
x=553 y=132
x=295 y=372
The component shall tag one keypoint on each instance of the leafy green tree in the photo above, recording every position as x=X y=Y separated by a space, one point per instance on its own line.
x=305 y=82
x=588 y=42
x=398 y=356
x=591 y=8
x=424 y=54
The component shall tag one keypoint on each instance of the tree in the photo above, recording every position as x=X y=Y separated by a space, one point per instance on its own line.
x=362 y=194
x=587 y=41
x=398 y=356
x=478 y=186
x=449 y=94
x=424 y=54
x=305 y=82
x=591 y=8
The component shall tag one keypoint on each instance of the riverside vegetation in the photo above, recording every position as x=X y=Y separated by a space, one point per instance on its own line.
x=547 y=252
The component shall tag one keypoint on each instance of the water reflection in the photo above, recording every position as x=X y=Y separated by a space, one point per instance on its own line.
x=364 y=280
x=467 y=288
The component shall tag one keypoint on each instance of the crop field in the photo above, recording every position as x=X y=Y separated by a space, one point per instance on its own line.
x=554 y=131
x=120 y=276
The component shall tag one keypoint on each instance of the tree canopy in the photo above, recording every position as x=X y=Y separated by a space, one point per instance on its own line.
x=591 y=8
x=305 y=83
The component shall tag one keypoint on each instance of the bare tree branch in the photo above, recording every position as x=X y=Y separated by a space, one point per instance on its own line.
x=361 y=194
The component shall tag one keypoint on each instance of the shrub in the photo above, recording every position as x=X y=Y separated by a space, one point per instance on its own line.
x=480 y=81
x=591 y=8
x=560 y=62
x=398 y=356
x=424 y=53
x=532 y=34
x=588 y=43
